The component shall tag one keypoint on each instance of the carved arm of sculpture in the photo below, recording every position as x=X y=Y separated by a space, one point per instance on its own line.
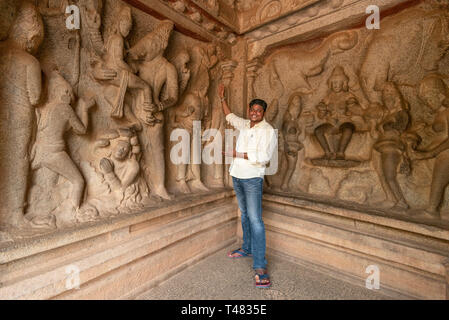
x=99 y=72
x=353 y=107
x=117 y=47
x=170 y=92
x=34 y=81
x=434 y=148
x=79 y=122
x=107 y=167
x=322 y=110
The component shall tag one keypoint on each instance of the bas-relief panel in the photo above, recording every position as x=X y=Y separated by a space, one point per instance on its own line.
x=86 y=114
x=362 y=114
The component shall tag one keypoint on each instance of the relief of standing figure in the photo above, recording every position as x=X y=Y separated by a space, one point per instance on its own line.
x=20 y=93
x=391 y=143
x=54 y=119
x=291 y=131
x=434 y=92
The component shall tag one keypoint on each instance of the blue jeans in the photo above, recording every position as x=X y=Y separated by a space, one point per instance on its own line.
x=249 y=197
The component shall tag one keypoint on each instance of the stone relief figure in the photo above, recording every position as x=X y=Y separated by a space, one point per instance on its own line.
x=392 y=54
x=392 y=143
x=55 y=118
x=91 y=12
x=113 y=59
x=304 y=64
x=203 y=61
x=340 y=114
x=434 y=92
x=162 y=76
x=20 y=92
x=193 y=108
x=52 y=8
x=291 y=132
x=121 y=170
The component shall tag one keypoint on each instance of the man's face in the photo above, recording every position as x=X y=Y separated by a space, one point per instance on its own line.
x=256 y=113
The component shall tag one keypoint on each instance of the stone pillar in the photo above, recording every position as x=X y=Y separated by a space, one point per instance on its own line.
x=252 y=68
x=227 y=70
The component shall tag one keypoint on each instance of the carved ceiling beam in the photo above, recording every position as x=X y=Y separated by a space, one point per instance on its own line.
x=268 y=11
x=188 y=20
x=314 y=22
x=222 y=12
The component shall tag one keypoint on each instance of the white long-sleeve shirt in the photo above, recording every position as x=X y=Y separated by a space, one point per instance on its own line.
x=259 y=142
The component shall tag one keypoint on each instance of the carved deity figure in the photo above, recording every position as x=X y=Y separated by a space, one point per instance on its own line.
x=204 y=60
x=291 y=133
x=20 y=92
x=116 y=88
x=121 y=169
x=193 y=108
x=392 y=142
x=55 y=118
x=162 y=76
x=435 y=94
x=338 y=111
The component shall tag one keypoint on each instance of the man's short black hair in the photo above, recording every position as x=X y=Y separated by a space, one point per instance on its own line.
x=260 y=102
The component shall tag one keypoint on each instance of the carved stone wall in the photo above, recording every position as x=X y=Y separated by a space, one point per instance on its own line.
x=89 y=123
x=87 y=113
x=371 y=128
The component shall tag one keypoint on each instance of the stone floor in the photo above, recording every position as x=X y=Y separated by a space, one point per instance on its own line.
x=220 y=278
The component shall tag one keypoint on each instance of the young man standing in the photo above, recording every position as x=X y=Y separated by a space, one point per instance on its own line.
x=255 y=145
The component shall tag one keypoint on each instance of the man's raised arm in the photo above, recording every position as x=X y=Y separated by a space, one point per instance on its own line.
x=221 y=95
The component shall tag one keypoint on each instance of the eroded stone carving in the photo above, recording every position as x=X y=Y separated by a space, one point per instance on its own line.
x=392 y=142
x=404 y=56
x=55 y=118
x=369 y=122
x=434 y=92
x=162 y=77
x=120 y=169
x=90 y=163
x=194 y=108
x=291 y=133
x=305 y=64
x=20 y=92
x=341 y=115
x=116 y=88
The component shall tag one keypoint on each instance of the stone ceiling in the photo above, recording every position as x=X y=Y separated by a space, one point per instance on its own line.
x=223 y=20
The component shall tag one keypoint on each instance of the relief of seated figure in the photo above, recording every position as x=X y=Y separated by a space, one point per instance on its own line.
x=122 y=169
x=117 y=185
x=125 y=79
x=340 y=115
